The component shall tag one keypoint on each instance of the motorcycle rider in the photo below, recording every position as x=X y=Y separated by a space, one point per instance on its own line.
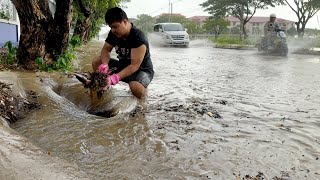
x=271 y=25
x=269 y=28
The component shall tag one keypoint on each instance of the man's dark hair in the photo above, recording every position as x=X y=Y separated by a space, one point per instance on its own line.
x=115 y=14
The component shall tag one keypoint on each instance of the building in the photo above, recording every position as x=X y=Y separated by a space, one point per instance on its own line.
x=10 y=28
x=254 y=26
x=199 y=19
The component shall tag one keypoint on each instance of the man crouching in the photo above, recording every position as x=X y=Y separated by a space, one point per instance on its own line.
x=134 y=65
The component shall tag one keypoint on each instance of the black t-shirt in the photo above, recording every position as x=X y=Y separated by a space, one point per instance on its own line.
x=123 y=48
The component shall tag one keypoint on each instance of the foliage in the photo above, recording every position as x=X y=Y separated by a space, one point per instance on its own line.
x=312 y=32
x=292 y=31
x=75 y=41
x=95 y=28
x=145 y=23
x=177 y=18
x=227 y=40
x=10 y=57
x=216 y=25
x=193 y=27
x=190 y=25
x=92 y=11
x=4 y=15
x=304 y=11
x=235 y=30
x=64 y=61
x=4 y=10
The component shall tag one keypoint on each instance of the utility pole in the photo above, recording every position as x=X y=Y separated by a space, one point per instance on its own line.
x=169 y=11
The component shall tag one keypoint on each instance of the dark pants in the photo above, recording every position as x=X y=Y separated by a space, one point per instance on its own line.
x=140 y=76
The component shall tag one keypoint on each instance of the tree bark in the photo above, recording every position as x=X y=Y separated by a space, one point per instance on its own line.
x=59 y=33
x=41 y=34
x=83 y=27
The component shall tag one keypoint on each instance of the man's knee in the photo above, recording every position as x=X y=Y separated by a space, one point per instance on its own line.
x=137 y=89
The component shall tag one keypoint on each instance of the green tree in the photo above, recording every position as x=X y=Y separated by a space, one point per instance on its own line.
x=216 y=25
x=292 y=31
x=304 y=10
x=4 y=10
x=192 y=27
x=88 y=17
x=176 y=18
x=145 y=23
x=312 y=32
x=241 y=9
x=43 y=34
x=235 y=30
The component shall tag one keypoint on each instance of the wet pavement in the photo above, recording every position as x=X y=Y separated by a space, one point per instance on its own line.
x=210 y=114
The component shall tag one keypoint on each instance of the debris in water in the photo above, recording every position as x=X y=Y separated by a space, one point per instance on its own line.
x=95 y=81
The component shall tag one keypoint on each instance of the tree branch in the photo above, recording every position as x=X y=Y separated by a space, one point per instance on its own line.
x=291 y=6
x=86 y=11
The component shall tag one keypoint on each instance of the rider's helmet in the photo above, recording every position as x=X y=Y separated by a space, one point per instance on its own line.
x=273 y=15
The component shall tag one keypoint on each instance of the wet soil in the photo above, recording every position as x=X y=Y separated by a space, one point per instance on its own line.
x=14 y=107
x=210 y=114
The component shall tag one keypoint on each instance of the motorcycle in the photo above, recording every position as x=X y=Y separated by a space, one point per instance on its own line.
x=275 y=43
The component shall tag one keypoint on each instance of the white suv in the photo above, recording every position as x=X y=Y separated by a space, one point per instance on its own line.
x=172 y=34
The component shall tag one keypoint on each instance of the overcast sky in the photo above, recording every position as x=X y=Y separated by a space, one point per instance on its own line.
x=191 y=8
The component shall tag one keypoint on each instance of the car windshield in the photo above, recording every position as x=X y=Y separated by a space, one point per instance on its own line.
x=173 y=27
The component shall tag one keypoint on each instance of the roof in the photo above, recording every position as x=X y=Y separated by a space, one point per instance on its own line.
x=199 y=18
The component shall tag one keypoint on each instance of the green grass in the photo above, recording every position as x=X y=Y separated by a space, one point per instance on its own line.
x=233 y=40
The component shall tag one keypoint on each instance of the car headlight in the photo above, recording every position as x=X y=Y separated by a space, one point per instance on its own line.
x=167 y=37
x=187 y=36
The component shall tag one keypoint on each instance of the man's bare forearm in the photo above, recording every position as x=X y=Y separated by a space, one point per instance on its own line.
x=129 y=70
x=105 y=56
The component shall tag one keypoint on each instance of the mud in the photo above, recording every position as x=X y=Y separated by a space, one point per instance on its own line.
x=13 y=107
x=210 y=114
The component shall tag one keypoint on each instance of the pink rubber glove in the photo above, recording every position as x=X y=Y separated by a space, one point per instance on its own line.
x=103 y=68
x=113 y=79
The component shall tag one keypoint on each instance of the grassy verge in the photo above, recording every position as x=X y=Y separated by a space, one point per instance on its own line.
x=226 y=41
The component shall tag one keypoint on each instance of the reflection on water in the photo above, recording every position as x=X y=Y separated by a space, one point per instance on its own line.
x=269 y=107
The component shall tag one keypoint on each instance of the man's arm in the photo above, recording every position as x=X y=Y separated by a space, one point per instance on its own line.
x=105 y=53
x=137 y=55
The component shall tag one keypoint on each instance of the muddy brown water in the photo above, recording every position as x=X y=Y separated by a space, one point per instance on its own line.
x=210 y=114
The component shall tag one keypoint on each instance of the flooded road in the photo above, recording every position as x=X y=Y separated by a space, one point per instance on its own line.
x=210 y=114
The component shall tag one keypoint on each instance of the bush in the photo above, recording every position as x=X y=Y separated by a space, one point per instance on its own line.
x=9 y=57
x=226 y=40
x=64 y=61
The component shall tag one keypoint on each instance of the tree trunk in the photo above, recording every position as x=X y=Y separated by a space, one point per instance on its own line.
x=82 y=29
x=244 y=31
x=41 y=34
x=59 y=33
x=300 y=29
